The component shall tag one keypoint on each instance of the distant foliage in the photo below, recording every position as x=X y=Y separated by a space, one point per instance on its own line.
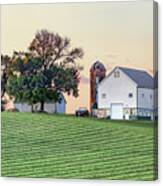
x=5 y=72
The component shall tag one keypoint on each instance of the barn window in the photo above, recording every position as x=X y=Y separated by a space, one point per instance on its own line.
x=116 y=74
x=103 y=95
x=130 y=95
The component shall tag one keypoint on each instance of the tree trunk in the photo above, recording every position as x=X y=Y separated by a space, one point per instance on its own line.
x=32 y=108
x=42 y=106
x=55 y=106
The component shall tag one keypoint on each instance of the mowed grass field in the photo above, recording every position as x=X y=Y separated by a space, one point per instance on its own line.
x=42 y=145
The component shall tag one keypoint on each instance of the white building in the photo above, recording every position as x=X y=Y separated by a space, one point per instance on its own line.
x=126 y=94
x=49 y=107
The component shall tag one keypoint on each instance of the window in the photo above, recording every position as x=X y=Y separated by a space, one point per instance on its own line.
x=132 y=111
x=116 y=74
x=103 y=96
x=142 y=95
x=150 y=96
x=130 y=95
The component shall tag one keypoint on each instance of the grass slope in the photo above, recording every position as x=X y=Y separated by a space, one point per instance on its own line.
x=40 y=145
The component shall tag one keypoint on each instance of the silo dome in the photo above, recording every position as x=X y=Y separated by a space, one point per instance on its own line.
x=98 y=66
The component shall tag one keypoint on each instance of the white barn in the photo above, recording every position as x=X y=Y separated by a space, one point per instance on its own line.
x=126 y=94
x=49 y=107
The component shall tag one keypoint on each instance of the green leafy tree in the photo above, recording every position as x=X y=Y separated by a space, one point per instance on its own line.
x=5 y=72
x=46 y=71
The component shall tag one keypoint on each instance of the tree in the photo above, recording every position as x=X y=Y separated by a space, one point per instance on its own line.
x=52 y=49
x=46 y=71
x=25 y=81
x=5 y=72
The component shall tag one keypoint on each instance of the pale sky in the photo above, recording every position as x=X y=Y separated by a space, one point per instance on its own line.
x=115 y=33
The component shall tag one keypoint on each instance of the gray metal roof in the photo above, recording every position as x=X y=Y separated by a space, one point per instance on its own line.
x=140 y=77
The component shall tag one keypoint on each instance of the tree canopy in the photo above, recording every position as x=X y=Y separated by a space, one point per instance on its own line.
x=46 y=70
x=5 y=72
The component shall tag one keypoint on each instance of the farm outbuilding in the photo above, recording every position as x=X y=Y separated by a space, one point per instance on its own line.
x=126 y=94
x=49 y=107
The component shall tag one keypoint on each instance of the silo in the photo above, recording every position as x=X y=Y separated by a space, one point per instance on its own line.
x=97 y=74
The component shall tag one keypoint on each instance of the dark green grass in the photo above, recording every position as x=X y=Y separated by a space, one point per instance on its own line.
x=42 y=145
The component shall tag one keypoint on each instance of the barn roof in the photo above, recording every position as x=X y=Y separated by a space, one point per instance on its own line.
x=140 y=77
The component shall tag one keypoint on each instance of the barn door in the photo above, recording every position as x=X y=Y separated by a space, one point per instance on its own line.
x=117 y=111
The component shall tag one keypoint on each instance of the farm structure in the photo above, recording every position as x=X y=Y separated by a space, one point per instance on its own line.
x=49 y=107
x=127 y=93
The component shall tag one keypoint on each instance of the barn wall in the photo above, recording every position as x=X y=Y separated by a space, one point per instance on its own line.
x=156 y=98
x=146 y=102
x=117 y=90
x=146 y=98
x=61 y=107
x=23 y=107
x=48 y=107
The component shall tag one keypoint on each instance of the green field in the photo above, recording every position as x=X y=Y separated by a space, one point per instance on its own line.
x=42 y=145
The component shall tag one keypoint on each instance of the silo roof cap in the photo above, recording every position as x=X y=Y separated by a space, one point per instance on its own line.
x=98 y=65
